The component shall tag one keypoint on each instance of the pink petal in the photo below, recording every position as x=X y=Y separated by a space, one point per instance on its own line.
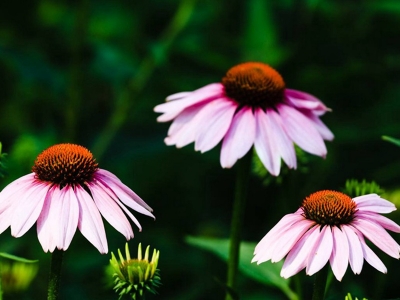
x=298 y=256
x=126 y=195
x=111 y=211
x=377 y=218
x=173 y=108
x=374 y=203
x=29 y=206
x=219 y=117
x=356 y=256
x=340 y=253
x=266 y=148
x=48 y=223
x=372 y=258
x=302 y=130
x=239 y=138
x=183 y=119
x=281 y=139
x=377 y=235
x=289 y=238
x=307 y=101
x=177 y=96
x=321 y=252
x=90 y=223
x=323 y=130
x=68 y=218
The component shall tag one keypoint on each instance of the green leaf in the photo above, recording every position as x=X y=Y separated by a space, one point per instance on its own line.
x=392 y=140
x=266 y=273
x=17 y=258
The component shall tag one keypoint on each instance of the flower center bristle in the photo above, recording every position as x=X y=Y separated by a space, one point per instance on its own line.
x=254 y=84
x=64 y=164
x=329 y=208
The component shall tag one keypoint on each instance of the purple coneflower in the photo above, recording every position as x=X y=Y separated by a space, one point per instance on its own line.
x=330 y=225
x=250 y=106
x=65 y=191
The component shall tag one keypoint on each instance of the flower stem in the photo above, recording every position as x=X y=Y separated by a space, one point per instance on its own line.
x=242 y=178
x=55 y=274
x=320 y=284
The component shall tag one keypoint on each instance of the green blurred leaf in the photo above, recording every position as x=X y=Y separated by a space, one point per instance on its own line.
x=355 y=188
x=17 y=258
x=266 y=273
x=392 y=140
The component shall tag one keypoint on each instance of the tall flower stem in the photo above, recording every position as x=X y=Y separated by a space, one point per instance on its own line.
x=320 y=283
x=144 y=71
x=242 y=178
x=55 y=274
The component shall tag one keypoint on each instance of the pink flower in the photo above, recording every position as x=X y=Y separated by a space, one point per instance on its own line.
x=66 y=191
x=331 y=226
x=250 y=106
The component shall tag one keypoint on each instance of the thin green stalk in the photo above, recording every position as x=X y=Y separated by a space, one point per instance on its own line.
x=242 y=178
x=145 y=70
x=55 y=274
x=320 y=283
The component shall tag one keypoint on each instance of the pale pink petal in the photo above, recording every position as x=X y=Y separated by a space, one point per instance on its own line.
x=339 y=259
x=126 y=195
x=48 y=223
x=68 y=218
x=111 y=211
x=182 y=120
x=377 y=235
x=219 y=117
x=281 y=139
x=266 y=148
x=372 y=258
x=239 y=138
x=321 y=252
x=26 y=213
x=173 y=108
x=298 y=256
x=376 y=218
x=323 y=130
x=374 y=203
x=177 y=96
x=303 y=100
x=287 y=221
x=301 y=130
x=90 y=223
x=356 y=256
x=289 y=238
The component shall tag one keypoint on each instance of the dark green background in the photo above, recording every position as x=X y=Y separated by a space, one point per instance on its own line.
x=66 y=67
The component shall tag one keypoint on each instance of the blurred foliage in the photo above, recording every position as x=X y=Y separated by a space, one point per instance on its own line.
x=392 y=140
x=355 y=188
x=91 y=72
x=3 y=166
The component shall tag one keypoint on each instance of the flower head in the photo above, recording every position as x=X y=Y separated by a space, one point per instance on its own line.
x=250 y=106
x=134 y=276
x=65 y=191
x=330 y=225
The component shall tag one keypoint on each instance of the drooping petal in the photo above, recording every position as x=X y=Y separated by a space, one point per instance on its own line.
x=356 y=256
x=90 y=223
x=377 y=235
x=377 y=218
x=372 y=258
x=111 y=211
x=323 y=130
x=173 y=108
x=374 y=203
x=298 y=256
x=29 y=206
x=339 y=259
x=303 y=100
x=321 y=252
x=68 y=218
x=239 y=138
x=302 y=131
x=177 y=96
x=219 y=117
x=266 y=148
x=126 y=195
x=48 y=223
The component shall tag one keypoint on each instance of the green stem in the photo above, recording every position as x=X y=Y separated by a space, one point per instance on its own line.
x=320 y=283
x=145 y=70
x=55 y=274
x=243 y=171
